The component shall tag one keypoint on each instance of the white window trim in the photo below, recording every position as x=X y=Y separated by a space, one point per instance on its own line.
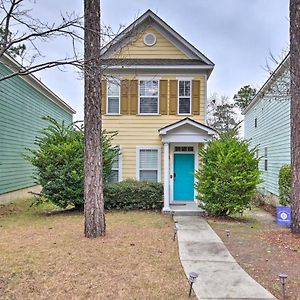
x=184 y=114
x=120 y=178
x=137 y=162
x=158 y=87
x=118 y=81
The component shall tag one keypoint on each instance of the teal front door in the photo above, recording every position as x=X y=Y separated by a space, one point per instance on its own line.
x=183 y=177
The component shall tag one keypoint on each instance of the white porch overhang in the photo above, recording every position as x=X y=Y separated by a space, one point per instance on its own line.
x=186 y=131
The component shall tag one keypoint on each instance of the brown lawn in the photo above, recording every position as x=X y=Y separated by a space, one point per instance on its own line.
x=44 y=255
x=263 y=249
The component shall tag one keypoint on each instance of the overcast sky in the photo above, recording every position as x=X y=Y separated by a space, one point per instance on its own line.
x=237 y=35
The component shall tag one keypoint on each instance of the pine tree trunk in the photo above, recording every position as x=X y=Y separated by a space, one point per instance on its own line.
x=93 y=182
x=295 y=111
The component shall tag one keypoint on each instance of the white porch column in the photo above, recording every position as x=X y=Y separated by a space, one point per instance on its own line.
x=166 y=178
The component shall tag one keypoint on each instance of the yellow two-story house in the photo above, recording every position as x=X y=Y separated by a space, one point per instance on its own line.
x=155 y=96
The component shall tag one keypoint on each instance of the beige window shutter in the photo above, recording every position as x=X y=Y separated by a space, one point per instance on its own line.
x=163 y=97
x=196 y=97
x=103 y=97
x=133 y=97
x=173 y=97
x=124 y=97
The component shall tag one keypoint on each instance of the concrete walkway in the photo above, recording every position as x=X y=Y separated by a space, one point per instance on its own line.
x=220 y=276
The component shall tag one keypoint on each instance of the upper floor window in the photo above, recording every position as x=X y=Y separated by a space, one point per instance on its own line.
x=148 y=97
x=184 y=97
x=113 y=97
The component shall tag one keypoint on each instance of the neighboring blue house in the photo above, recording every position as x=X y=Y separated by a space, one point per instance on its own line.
x=267 y=125
x=23 y=102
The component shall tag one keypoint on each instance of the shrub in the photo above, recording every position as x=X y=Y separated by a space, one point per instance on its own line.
x=228 y=177
x=284 y=184
x=58 y=162
x=132 y=194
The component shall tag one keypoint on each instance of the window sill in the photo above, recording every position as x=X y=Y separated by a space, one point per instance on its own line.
x=184 y=114
x=112 y=114
x=148 y=114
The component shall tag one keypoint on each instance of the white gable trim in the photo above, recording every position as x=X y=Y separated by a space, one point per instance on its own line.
x=186 y=121
x=162 y=27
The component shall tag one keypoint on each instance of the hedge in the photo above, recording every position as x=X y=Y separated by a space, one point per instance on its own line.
x=284 y=184
x=132 y=194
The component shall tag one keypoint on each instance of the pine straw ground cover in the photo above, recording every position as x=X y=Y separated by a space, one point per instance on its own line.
x=43 y=255
x=263 y=249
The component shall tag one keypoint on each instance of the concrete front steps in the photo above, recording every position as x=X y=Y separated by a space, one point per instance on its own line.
x=186 y=209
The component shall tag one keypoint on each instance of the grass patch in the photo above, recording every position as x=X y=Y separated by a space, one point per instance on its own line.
x=45 y=255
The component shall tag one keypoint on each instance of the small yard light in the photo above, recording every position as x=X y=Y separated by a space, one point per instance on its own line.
x=283 y=278
x=175 y=232
x=192 y=280
x=227 y=233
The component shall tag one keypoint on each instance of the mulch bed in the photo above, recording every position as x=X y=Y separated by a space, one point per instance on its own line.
x=264 y=250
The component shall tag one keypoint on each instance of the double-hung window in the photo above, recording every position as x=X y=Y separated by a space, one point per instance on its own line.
x=113 y=97
x=148 y=164
x=148 y=97
x=266 y=159
x=115 y=175
x=184 y=97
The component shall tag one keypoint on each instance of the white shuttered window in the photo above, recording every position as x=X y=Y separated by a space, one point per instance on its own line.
x=113 y=97
x=148 y=97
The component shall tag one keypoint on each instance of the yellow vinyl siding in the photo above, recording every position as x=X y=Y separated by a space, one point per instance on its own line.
x=141 y=130
x=136 y=131
x=163 y=49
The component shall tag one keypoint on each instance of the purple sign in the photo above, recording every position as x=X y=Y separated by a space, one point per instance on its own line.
x=283 y=215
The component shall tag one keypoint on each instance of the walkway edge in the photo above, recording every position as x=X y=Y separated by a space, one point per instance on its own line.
x=220 y=276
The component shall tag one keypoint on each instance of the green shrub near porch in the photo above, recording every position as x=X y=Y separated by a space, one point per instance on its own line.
x=58 y=161
x=284 y=184
x=132 y=194
x=229 y=175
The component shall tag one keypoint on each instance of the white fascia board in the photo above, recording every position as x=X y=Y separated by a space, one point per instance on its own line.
x=161 y=67
x=184 y=122
x=14 y=66
x=267 y=84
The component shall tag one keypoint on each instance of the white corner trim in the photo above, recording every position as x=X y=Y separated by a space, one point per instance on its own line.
x=137 y=161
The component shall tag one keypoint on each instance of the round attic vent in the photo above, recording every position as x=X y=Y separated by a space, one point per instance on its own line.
x=149 y=39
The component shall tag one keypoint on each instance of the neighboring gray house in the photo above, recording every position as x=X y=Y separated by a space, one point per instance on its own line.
x=267 y=125
x=23 y=102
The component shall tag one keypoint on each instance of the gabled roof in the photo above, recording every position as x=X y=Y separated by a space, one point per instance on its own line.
x=149 y=18
x=280 y=69
x=9 y=62
x=186 y=121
